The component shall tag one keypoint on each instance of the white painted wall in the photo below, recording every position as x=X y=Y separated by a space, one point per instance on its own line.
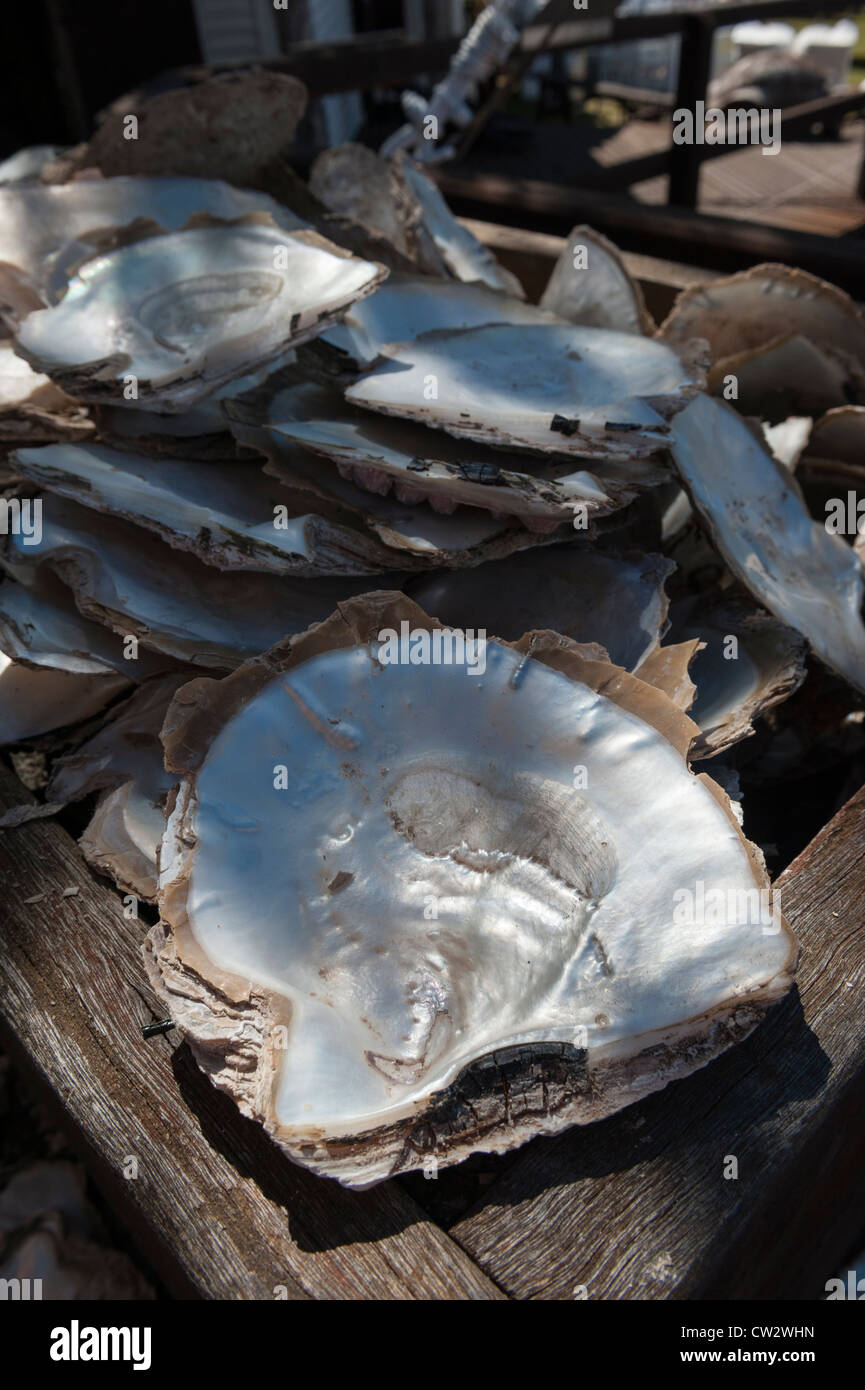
x=230 y=30
x=342 y=114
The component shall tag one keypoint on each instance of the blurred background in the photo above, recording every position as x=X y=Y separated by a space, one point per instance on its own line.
x=583 y=102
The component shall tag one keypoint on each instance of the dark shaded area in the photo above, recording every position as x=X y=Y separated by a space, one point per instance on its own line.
x=317 y=1206
x=69 y=58
x=447 y=1194
x=804 y=761
x=29 y=1134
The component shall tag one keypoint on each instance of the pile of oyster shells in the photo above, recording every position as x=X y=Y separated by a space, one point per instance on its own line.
x=340 y=576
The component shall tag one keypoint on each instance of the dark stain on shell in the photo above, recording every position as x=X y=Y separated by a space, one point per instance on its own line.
x=515 y=1079
x=480 y=472
x=562 y=425
x=341 y=881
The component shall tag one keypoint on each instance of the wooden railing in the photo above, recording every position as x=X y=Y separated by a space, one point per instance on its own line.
x=389 y=59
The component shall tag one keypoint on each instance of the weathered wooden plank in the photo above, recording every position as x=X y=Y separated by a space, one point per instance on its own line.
x=638 y=1207
x=219 y=1210
x=388 y=59
x=695 y=66
x=684 y=162
x=722 y=243
x=635 y=96
x=363 y=61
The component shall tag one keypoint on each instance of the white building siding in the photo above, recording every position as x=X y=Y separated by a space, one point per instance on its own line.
x=233 y=30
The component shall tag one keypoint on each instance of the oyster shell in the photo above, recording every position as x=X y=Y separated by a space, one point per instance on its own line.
x=423 y=465
x=201 y=432
x=465 y=257
x=407 y=305
x=839 y=437
x=230 y=516
x=461 y=950
x=39 y=699
x=549 y=387
x=600 y=294
x=41 y=626
x=832 y=471
x=198 y=434
x=790 y=376
x=617 y=601
x=394 y=198
x=183 y=313
x=759 y=307
x=130 y=581
x=32 y=408
x=756 y=516
x=353 y=181
x=124 y=762
x=229 y=125
x=55 y=667
x=422 y=537
x=41 y=225
x=736 y=681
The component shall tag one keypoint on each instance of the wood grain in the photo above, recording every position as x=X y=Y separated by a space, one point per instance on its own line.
x=218 y=1210
x=638 y=1207
x=722 y=243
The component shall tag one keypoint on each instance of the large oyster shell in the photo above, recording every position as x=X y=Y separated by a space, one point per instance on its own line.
x=754 y=511
x=181 y=314
x=790 y=376
x=394 y=198
x=555 y=388
x=41 y=626
x=55 y=668
x=601 y=293
x=39 y=699
x=42 y=225
x=132 y=582
x=230 y=516
x=454 y=538
x=407 y=305
x=617 y=601
x=229 y=125
x=737 y=680
x=353 y=181
x=403 y=945
x=759 y=307
x=839 y=437
x=423 y=465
